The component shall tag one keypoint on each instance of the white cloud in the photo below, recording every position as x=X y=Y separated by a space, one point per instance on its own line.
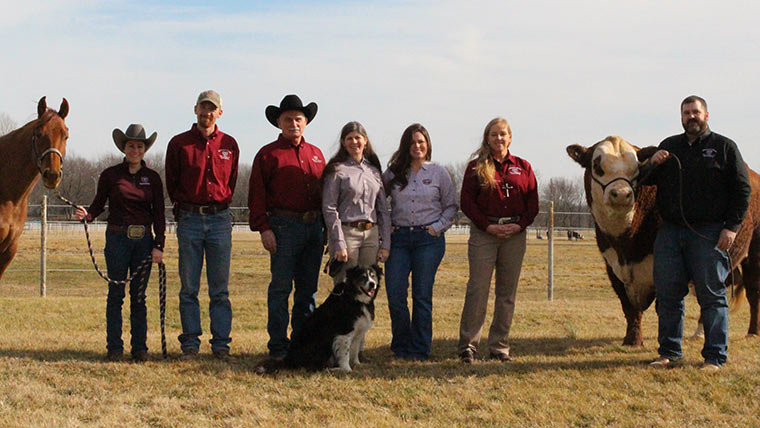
x=561 y=72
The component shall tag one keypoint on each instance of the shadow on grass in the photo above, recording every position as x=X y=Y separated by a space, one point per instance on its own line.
x=531 y=355
x=49 y=355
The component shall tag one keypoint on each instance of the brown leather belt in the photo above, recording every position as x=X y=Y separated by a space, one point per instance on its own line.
x=361 y=225
x=504 y=220
x=203 y=209
x=133 y=231
x=307 y=217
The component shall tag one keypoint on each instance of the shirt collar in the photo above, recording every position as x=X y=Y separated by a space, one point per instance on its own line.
x=508 y=159
x=286 y=143
x=702 y=137
x=195 y=131
x=125 y=164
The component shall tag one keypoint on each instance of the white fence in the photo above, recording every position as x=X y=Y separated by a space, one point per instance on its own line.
x=548 y=226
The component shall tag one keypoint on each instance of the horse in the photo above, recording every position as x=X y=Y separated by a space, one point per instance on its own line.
x=36 y=149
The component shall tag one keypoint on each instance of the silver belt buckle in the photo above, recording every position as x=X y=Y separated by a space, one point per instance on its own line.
x=136 y=231
x=507 y=220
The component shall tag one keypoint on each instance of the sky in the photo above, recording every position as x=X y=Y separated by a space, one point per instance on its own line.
x=560 y=72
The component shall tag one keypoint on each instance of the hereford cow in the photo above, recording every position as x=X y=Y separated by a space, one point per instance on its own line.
x=626 y=225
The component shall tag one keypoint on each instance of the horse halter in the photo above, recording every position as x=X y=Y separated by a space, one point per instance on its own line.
x=39 y=157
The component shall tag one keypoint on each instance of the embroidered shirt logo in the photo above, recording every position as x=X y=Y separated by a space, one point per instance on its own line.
x=225 y=154
x=515 y=170
x=427 y=181
x=709 y=153
x=144 y=181
x=316 y=159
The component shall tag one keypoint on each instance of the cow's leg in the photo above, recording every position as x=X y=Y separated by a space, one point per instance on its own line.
x=751 y=276
x=699 y=330
x=633 y=315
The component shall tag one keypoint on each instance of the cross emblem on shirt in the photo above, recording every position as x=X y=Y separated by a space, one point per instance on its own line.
x=506 y=188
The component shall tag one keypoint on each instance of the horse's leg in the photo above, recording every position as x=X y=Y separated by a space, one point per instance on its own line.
x=7 y=256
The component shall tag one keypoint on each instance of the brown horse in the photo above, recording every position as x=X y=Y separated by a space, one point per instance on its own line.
x=36 y=148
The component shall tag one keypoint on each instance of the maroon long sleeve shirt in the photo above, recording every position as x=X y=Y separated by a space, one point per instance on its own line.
x=132 y=199
x=515 y=193
x=285 y=177
x=201 y=170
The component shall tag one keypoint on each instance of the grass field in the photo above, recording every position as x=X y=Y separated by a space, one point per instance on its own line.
x=569 y=370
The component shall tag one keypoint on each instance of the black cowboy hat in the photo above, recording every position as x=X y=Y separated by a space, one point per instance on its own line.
x=135 y=132
x=291 y=102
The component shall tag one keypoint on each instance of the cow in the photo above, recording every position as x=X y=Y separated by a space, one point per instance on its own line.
x=626 y=221
x=574 y=234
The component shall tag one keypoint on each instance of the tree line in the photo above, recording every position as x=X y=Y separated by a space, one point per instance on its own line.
x=80 y=181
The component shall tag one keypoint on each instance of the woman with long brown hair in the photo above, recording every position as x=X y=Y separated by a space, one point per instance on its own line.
x=423 y=207
x=353 y=202
x=500 y=197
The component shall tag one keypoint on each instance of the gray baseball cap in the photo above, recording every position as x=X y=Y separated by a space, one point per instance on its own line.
x=211 y=96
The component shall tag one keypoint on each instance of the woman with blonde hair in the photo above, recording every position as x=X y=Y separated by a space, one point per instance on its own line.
x=500 y=197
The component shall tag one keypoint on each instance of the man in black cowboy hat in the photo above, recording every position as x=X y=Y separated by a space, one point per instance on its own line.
x=201 y=172
x=285 y=201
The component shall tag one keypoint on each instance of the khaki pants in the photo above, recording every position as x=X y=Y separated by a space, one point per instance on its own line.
x=362 y=247
x=485 y=251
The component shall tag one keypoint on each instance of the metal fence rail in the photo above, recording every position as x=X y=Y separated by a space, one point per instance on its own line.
x=548 y=226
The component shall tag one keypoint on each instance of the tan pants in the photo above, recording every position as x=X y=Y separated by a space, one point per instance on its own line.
x=485 y=251
x=362 y=247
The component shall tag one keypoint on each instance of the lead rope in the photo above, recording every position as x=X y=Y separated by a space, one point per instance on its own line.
x=686 y=222
x=141 y=270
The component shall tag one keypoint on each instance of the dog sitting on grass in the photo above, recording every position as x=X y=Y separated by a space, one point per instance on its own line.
x=332 y=336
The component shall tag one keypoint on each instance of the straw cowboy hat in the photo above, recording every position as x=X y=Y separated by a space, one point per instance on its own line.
x=291 y=102
x=135 y=132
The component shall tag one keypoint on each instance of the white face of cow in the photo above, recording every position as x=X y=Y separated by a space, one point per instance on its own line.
x=612 y=170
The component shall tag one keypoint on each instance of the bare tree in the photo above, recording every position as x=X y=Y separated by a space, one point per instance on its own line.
x=456 y=172
x=568 y=195
x=6 y=124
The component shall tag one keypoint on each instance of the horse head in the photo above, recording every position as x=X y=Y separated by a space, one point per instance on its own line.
x=49 y=142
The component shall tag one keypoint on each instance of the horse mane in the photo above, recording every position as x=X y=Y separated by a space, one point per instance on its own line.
x=24 y=132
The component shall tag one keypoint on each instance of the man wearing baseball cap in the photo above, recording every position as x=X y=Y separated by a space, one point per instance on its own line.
x=201 y=171
x=285 y=202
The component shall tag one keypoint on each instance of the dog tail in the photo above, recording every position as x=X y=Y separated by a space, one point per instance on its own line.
x=270 y=366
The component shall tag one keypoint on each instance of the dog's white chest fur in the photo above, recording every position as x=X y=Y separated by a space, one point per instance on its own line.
x=346 y=347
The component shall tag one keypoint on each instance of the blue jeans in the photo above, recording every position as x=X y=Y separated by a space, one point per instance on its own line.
x=296 y=261
x=126 y=255
x=210 y=234
x=417 y=252
x=680 y=256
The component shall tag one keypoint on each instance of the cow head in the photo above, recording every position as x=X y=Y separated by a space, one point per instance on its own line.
x=612 y=174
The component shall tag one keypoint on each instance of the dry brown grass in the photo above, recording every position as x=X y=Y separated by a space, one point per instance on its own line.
x=570 y=369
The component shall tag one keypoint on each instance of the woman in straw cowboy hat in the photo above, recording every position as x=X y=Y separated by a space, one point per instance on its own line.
x=135 y=203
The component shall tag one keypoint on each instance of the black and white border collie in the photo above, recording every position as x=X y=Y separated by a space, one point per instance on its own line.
x=332 y=336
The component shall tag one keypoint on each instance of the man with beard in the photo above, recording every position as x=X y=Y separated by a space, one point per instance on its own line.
x=201 y=171
x=703 y=194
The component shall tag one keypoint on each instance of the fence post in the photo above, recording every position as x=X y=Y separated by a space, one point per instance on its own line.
x=43 y=247
x=550 y=236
